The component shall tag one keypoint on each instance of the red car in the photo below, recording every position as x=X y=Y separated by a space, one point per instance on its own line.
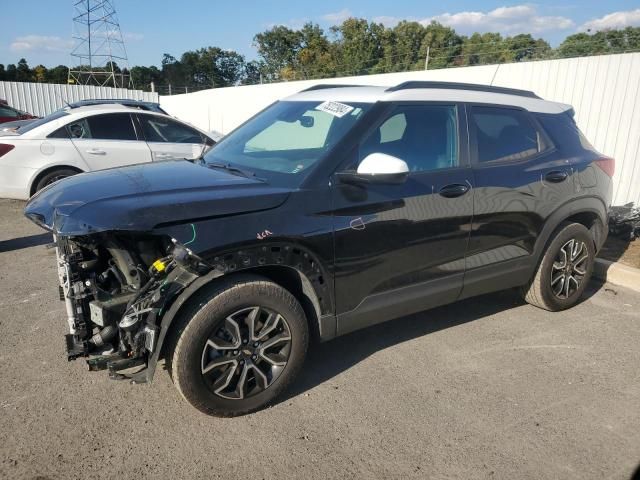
x=10 y=114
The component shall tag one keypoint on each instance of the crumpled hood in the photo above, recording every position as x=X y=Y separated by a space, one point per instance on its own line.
x=143 y=197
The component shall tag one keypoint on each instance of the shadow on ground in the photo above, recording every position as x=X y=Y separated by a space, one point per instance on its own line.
x=25 y=242
x=328 y=360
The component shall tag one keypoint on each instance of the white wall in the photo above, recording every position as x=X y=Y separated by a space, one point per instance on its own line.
x=604 y=91
x=43 y=98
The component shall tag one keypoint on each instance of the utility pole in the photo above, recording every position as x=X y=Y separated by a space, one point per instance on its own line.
x=99 y=53
x=426 y=60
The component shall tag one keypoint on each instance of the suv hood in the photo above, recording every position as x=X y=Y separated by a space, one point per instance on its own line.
x=143 y=197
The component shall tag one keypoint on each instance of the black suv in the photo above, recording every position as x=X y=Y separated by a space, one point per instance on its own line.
x=332 y=210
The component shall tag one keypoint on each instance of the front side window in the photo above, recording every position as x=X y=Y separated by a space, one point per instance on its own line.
x=111 y=126
x=165 y=130
x=424 y=136
x=288 y=138
x=504 y=134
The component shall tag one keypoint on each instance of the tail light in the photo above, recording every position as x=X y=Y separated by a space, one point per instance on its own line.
x=607 y=165
x=5 y=148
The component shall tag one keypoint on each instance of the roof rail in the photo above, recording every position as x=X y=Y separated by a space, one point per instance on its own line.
x=461 y=86
x=323 y=86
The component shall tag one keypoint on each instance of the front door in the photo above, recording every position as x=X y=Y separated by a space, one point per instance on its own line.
x=400 y=248
x=171 y=140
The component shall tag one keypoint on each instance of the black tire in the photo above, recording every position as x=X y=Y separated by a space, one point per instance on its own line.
x=551 y=287
x=205 y=320
x=54 y=176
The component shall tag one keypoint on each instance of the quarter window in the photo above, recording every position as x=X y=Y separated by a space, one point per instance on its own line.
x=504 y=134
x=425 y=137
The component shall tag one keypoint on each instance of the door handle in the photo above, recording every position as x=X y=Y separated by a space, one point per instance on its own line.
x=556 y=176
x=96 y=151
x=163 y=156
x=454 y=190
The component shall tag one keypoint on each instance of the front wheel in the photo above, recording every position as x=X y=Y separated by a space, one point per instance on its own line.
x=242 y=342
x=564 y=271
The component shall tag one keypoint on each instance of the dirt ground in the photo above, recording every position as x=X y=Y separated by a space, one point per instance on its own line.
x=486 y=388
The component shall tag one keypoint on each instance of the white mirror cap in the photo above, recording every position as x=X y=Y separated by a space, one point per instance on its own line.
x=382 y=164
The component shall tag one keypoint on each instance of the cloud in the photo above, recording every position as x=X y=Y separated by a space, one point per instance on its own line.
x=629 y=18
x=338 y=17
x=29 y=43
x=388 y=21
x=508 y=20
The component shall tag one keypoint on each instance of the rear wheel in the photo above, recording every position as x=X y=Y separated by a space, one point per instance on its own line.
x=54 y=176
x=241 y=344
x=564 y=271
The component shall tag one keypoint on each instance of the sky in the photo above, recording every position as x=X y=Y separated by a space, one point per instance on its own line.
x=40 y=30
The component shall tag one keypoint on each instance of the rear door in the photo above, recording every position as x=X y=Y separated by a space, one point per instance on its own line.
x=108 y=140
x=520 y=180
x=169 y=139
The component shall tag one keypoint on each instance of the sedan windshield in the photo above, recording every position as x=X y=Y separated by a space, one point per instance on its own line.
x=285 y=141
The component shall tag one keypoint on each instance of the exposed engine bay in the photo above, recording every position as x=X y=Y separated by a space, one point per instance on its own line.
x=115 y=288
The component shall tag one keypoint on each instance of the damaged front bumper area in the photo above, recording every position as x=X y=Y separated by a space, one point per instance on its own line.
x=116 y=288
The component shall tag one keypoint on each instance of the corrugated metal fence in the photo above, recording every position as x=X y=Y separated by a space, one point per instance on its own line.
x=604 y=91
x=43 y=98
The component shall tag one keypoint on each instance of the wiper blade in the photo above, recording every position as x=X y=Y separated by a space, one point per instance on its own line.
x=233 y=170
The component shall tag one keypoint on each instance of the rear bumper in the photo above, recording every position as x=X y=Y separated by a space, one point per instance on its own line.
x=15 y=182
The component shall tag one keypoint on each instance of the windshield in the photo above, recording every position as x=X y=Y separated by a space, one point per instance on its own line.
x=41 y=121
x=285 y=141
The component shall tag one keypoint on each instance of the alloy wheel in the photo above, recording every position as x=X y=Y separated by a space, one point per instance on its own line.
x=247 y=353
x=569 y=268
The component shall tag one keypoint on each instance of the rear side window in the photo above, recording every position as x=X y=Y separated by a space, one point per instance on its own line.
x=504 y=134
x=112 y=126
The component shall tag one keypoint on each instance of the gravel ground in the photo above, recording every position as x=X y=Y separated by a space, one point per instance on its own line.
x=486 y=388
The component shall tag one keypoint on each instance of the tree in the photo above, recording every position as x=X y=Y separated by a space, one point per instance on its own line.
x=142 y=77
x=172 y=70
x=2 y=72
x=483 y=49
x=359 y=46
x=279 y=48
x=58 y=74
x=444 y=46
x=23 y=72
x=316 y=57
x=577 y=45
x=11 y=73
x=40 y=74
x=253 y=72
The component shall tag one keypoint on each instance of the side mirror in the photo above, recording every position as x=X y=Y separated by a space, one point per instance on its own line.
x=378 y=168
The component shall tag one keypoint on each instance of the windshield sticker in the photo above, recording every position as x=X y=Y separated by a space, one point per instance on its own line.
x=334 y=108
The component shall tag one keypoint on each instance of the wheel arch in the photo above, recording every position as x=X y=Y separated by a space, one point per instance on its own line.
x=46 y=171
x=590 y=212
x=292 y=267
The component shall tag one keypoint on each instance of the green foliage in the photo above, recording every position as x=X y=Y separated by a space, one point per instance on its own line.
x=355 y=47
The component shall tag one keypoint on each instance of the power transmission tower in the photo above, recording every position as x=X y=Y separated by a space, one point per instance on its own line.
x=99 y=53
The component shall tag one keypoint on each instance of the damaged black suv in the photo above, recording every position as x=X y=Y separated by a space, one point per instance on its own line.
x=332 y=210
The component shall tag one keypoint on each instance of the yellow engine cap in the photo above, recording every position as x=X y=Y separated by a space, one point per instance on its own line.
x=159 y=265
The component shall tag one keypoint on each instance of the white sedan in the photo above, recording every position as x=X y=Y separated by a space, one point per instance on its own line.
x=83 y=139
